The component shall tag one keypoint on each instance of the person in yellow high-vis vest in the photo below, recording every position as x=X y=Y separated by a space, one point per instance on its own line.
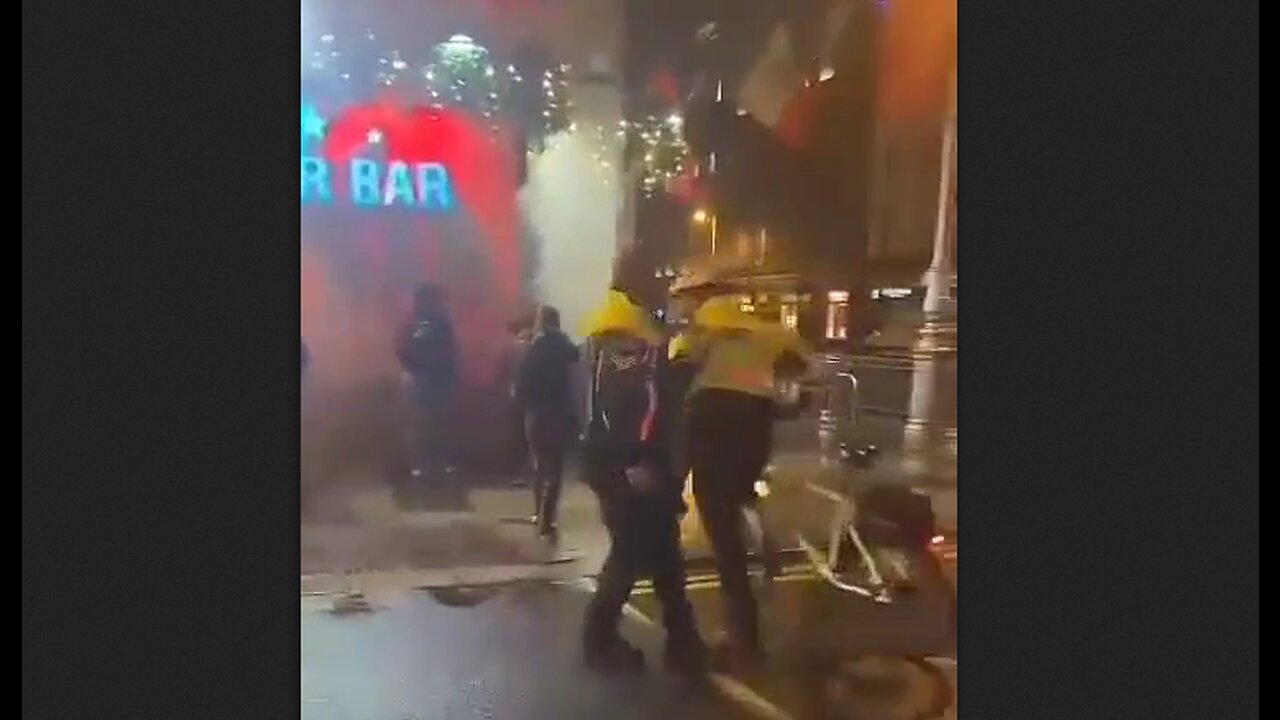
x=735 y=360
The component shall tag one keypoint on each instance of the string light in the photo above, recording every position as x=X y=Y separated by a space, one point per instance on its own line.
x=458 y=72
x=659 y=146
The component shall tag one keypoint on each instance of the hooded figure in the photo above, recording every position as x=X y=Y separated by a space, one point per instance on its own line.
x=630 y=466
x=428 y=353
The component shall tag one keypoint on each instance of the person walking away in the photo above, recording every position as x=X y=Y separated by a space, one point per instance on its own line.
x=729 y=438
x=544 y=390
x=428 y=354
x=630 y=468
x=520 y=461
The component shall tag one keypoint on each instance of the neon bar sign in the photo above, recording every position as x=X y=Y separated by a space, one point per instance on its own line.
x=422 y=186
x=371 y=183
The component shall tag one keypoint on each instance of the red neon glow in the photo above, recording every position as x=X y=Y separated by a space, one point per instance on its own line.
x=484 y=287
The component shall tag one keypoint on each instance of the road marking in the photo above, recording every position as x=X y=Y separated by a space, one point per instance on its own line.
x=942 y=662
x=634 y=613
x=732 y=688
x=738 y=692
x=703 y=582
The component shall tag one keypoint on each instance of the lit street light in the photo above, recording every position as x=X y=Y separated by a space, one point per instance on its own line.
x=701 y=217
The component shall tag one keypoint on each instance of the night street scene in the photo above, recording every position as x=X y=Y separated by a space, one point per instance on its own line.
x=628 y=336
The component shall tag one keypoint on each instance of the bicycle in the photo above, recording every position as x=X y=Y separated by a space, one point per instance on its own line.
x=880 y=547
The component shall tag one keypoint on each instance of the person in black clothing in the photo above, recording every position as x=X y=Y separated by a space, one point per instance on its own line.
x=629 y=463
x=544 y=390
x=428 y=353
x=520 y=457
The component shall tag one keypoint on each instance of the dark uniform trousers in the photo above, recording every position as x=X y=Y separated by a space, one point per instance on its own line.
x=644 y=533
x=730 y=437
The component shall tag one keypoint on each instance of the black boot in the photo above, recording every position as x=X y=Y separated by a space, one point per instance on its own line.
x=687 y=657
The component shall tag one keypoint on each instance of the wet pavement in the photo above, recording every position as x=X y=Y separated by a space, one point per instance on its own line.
x=496 y=637
x=500 y=641
x=510 y=650
x=513 y=656
x=484 y=523
x=813 y=632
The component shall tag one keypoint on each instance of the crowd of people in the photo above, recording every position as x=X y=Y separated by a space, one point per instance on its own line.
x=658 y=408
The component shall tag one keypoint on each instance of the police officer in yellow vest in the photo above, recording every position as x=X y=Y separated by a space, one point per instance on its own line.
x=736 y=359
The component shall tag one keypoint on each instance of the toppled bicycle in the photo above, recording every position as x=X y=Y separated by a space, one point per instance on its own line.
x=883 y=544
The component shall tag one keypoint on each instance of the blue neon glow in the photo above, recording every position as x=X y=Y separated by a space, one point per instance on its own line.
x=313 y=127
x=373 y=183
x=364 y=183
x=419 y=186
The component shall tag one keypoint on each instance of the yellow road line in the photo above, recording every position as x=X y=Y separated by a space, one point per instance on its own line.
x=732 y=688
x=711 y=581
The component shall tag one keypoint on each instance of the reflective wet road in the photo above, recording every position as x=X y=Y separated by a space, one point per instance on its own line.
x=513 y=656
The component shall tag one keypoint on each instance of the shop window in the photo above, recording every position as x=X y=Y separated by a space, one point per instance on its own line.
x=838 y=315
x=789 y=314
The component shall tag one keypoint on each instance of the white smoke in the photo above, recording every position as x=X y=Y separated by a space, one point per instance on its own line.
x=572 y=199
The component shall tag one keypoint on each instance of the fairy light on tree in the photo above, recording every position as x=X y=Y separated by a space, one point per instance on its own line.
x=457 y=73
x=659 y=145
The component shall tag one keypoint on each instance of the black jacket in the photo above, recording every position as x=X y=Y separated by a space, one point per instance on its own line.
x=544 y=379
x=636 y=416
x=427 y=351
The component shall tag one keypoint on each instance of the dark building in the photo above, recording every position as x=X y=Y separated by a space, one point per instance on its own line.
x=815 y=141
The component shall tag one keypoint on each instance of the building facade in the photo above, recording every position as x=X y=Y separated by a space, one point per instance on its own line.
x=816 y=132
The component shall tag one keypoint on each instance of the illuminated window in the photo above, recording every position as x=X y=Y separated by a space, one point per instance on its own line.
x=789 y=313
x=837 y=315
x=838 y=321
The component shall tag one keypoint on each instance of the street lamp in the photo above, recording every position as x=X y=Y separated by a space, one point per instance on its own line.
x=930 y=437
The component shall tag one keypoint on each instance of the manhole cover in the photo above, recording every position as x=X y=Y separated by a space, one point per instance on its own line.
x=354 y=603
x=469 y=596
x=465 y=596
